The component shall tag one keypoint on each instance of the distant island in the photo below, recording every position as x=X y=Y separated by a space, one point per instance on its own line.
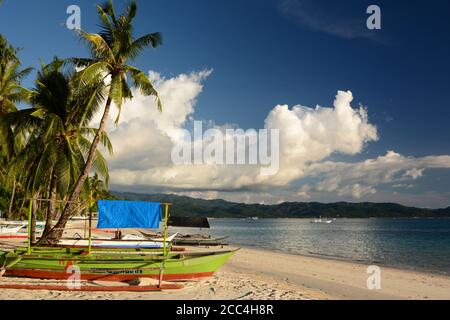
x=186 y=206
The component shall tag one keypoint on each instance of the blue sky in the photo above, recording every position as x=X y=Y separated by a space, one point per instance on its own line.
x=269 y=52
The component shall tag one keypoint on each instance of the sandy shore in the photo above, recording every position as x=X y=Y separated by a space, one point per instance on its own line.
x=257 y=274
x=330 y=279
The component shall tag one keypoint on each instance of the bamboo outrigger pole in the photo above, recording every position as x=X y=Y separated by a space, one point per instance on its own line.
x=91 y=206
x=28 y=252
x=30 y=213
x=165 y=252
x=166 y=218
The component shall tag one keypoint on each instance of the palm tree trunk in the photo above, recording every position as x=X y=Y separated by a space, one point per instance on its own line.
x=11 y=202
x=22 y=205
x=33 y=219
x=56 y=233
x=52 y=206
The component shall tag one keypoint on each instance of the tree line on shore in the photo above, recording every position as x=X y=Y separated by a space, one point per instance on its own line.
x=51 y=156
x=187 y=206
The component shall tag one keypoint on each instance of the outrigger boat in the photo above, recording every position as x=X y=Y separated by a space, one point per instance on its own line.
x=113 y=267
x=120 y=264
x=207 y=242
x=17 y=229
x=7 y=231
x=125 y=242
x=193 y=240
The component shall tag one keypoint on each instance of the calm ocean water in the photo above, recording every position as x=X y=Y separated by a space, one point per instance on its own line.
x=409 y=243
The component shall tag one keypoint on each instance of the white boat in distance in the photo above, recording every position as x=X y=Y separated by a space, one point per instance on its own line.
x=320 y=220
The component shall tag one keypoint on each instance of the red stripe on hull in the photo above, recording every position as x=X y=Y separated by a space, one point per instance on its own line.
x=13 y=237
x=42 y=274
x=94 y=289
x=104 y=230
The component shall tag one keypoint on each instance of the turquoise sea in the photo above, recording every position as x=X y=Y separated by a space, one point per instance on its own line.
x=422 y=244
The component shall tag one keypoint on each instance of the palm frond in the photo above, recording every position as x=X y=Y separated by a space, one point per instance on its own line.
x=92 y=73
x=79 y=62
x=116 y=93
x=63 y=170
x=131 y=11
x=104 y=139
x=98 y=46
x=142 y=82
x=101 y=166
x=139 y=45
x=86 y=103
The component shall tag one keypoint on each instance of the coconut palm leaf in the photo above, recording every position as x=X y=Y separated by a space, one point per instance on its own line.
x=110 y=50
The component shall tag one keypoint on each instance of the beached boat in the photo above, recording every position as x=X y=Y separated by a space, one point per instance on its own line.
x=17 y=229
x=192 y=240
x=200 y=242
x=20 y=223
x=114 y=264
x=125 y=242
x=112 y=267
x=10 y=231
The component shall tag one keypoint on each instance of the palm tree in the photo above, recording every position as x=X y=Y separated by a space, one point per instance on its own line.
x=59 y=134
x=97 y=188
x=110 y=49
x=11 y=93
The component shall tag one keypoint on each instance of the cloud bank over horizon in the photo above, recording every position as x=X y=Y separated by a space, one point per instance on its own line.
x=309 y=137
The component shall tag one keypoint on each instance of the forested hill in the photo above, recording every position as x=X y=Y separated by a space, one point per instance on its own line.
x=186 y=206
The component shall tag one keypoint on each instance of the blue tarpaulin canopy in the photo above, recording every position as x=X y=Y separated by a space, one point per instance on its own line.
x=128 y=215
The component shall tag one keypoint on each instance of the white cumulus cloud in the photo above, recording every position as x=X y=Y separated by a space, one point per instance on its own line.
x=144 y=139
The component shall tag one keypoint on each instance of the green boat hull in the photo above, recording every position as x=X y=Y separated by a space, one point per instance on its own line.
x=66 y=265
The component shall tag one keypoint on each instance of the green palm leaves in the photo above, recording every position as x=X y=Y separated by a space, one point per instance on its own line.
x=11 y=93
x=107 y=70
x=51 y=149
x=58 y=132
x=111 y=49
x=10 y=77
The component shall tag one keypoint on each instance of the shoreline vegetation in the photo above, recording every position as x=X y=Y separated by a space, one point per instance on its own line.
x=186 y=206
x=51 y=156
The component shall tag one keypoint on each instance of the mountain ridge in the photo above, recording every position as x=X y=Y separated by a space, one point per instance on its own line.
x=219 y=208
